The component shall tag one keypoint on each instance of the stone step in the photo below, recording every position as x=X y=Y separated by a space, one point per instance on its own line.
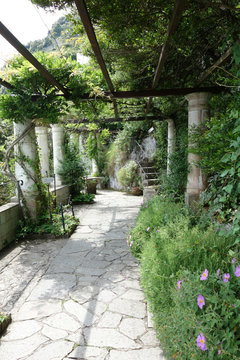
x=149 y=169
x=149 y=182
x=150 y=175
x=146 y=163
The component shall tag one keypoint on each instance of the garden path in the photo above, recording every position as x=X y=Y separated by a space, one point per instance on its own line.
x=79 y=298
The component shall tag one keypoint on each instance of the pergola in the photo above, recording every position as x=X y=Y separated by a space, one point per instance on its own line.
x=201 y=80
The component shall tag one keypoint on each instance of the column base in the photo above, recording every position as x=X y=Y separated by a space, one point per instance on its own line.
x=191 y=198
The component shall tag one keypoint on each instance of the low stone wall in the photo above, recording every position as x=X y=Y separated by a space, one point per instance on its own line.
x=9 y=216
x=63 y=193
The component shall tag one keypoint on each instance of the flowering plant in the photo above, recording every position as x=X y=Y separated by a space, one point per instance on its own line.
x=206 y=314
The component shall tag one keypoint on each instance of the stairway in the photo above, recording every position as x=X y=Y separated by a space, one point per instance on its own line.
x=150 y=179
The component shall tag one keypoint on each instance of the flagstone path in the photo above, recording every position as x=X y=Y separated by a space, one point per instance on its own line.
x=79 y=298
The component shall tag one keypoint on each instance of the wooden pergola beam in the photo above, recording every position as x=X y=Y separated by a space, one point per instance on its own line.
x=210 y=70
x=84 y=15
x=177 y=13
x=27 y=55
x=112 y=120
x=203 y=76
x=174 y=21
x=163 y=92
x=148 y=93
x=6 y=84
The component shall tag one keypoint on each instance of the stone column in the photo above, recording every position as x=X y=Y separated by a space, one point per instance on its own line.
x=94 y=167
x=171 y=141
x=58 y=139
x=74 y=139
x=197 y=112
x=24 y=172
x=42 y=140
x=81 y=146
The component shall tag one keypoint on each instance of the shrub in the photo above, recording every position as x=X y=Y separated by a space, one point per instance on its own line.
x=128 y=174
x=173 y=244
x=209 y=307
x=73 y=168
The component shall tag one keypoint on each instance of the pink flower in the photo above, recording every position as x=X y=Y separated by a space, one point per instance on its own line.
x=226 y=277
x=218 y=272
x=204 y=275
x=219 y=352
x=131 y=243
x=237 y=271
x=200 y=301
x=201 y=342
x=233 y=260
x=179 y=284
x=148 y=228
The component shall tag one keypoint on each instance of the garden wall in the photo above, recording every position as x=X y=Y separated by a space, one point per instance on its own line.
x=9 y=216
x=145 y=153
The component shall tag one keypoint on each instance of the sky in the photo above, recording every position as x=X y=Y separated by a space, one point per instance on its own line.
x=24 y=22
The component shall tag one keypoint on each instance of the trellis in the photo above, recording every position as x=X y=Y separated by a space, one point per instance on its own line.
x=112 y=94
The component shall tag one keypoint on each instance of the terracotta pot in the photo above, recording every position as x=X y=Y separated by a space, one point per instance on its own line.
x=136 y=191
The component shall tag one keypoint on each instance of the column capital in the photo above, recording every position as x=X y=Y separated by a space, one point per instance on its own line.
x=57 y=127
x=198 y=99
x=41 y=129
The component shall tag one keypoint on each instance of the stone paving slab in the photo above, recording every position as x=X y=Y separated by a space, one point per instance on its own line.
x=79 y=298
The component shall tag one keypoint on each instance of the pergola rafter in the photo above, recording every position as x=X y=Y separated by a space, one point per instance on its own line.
x=27 y=55
x=6 y=84
x=112 y=120
x=84 y=15
x=210 y=70
x=174 y=21
x=205 y=74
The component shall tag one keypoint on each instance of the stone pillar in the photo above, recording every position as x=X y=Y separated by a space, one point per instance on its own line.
x=94 y=167
x=171 y=141
x=197 y=112
x=81 y=146
x=74 y=139
x=58 y=139
x=42 y=140
x=23 y=170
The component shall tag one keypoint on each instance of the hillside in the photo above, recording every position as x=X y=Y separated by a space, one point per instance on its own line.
x=60 y=37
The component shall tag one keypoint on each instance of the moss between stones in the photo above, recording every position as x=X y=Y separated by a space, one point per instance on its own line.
x=5 y=320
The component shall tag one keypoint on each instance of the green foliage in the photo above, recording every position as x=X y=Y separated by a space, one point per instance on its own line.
x=83 y=198
x=73 y=168
x=161 y=140
x=95 y=146
x=27 y=81
x=128 y=175
x=7 y=188
x=218 y=319
x=174 y=184
x=124 y=143
x=219 y=147
x=48 y=225
x=59 y=4
x=172 y=245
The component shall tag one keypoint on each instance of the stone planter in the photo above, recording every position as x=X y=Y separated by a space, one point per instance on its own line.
x=92 y=182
